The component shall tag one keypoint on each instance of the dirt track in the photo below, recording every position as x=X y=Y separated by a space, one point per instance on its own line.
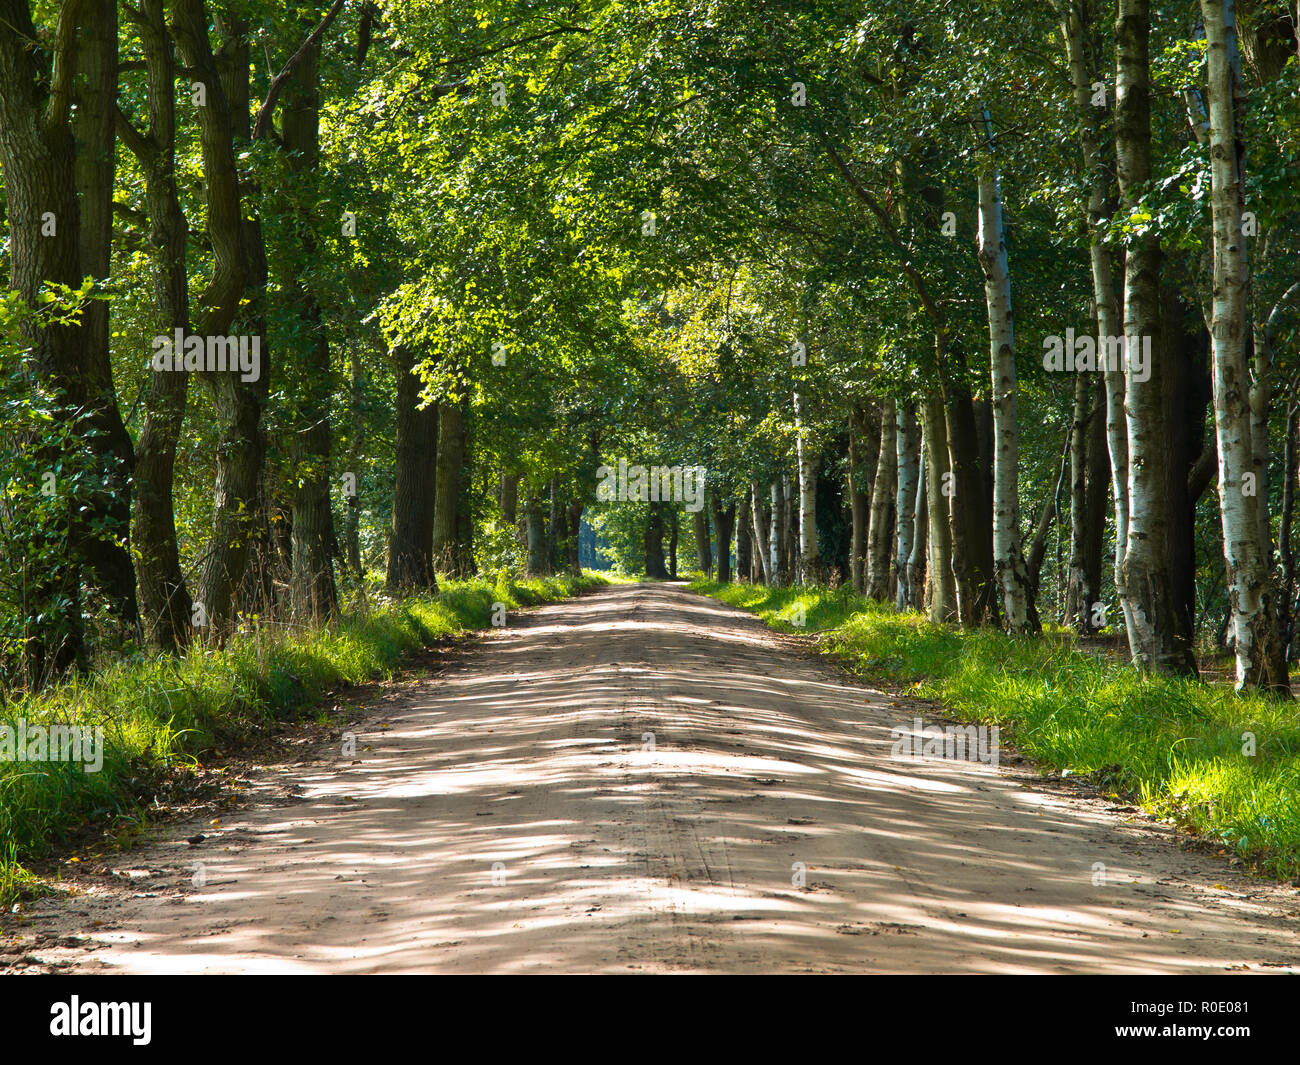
x=531 y=750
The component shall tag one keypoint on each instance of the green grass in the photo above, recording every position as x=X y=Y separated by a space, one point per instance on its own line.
x=158 y=713
x=1174 y=746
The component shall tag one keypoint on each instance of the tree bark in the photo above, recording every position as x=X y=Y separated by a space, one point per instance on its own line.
x=1077 y=31
x=1155 y=639
x=908 y=447
x=1260 y=654
x=943 y=594
x=809 y=555
x=724 y=521
x=107 y=556
x=1009 y=567
x=312 y=589
x=761 y=534
x=446 y=493
x=880 y=530
x=703 y=548
x=410 y=544
x=164 y=599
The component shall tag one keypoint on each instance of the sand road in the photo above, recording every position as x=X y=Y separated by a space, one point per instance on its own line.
x=642 y=780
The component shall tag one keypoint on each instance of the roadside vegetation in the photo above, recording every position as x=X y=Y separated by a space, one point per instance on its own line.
x=1174 y=746
x=161 y=713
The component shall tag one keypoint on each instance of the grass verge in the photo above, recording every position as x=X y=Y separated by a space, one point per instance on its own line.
x=161 y=712
x=1222 y=767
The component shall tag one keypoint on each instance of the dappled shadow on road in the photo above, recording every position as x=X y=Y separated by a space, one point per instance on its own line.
x=642 y=780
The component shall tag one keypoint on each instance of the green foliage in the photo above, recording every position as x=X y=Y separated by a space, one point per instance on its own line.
x=161 y=714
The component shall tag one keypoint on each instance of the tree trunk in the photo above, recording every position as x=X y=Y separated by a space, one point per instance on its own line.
x=1076 y=30
x=410 y=545
x=864 y=454
x=352 y=499
x=776 y=545
x=703 y=548
x=809 y=555
x=880 y=531
x=724 y=521
x=236 y=287
x=744 y=540
x=446 y=493
x=1019 y=612
x=654 y=542
x=164 y=599
x=943 y=594
x=107 y=553
x=575 y=539
x=313 y=593
x=1261 y=658
x=535 y=533
x=1154 y=637
x=916 y=560
x=907 y=439
x=761 y=535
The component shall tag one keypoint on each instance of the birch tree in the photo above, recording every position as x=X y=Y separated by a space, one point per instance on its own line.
x=1261 y=659
x=1009 y=567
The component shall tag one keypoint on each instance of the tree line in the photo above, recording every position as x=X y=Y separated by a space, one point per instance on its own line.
x=988 y=315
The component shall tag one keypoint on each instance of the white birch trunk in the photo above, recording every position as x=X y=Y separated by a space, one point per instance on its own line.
x=1103 y=285
x=809 y=558
x=1256 y=639
x=1009 y=567
x=908 y=441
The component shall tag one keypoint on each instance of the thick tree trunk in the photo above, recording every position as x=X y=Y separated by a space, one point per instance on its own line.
x=970 y=537
x=880 y=529
x=410 y=544
x=312 y=588
x=1257 y=643
x=724 y=521
x=37 y=153
x=535 y=533
x=574 y=542
x=236 y=287
x=107 y=553
x=446 y=494
x=943 y=593
x=703 y=548
x=509 y=498
x=654 y=542
x=1155 y=639
x=744 y=540
x=164 y=599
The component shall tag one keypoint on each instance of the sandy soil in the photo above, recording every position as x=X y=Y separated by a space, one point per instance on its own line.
x=509 y=816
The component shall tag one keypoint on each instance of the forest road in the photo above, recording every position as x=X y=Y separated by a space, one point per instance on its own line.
x=643 y=780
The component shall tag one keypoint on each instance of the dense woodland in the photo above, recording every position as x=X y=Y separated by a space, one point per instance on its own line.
x=993 y=313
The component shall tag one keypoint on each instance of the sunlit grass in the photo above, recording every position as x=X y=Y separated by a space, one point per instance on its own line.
x=1176 y=747
x=160 y=711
